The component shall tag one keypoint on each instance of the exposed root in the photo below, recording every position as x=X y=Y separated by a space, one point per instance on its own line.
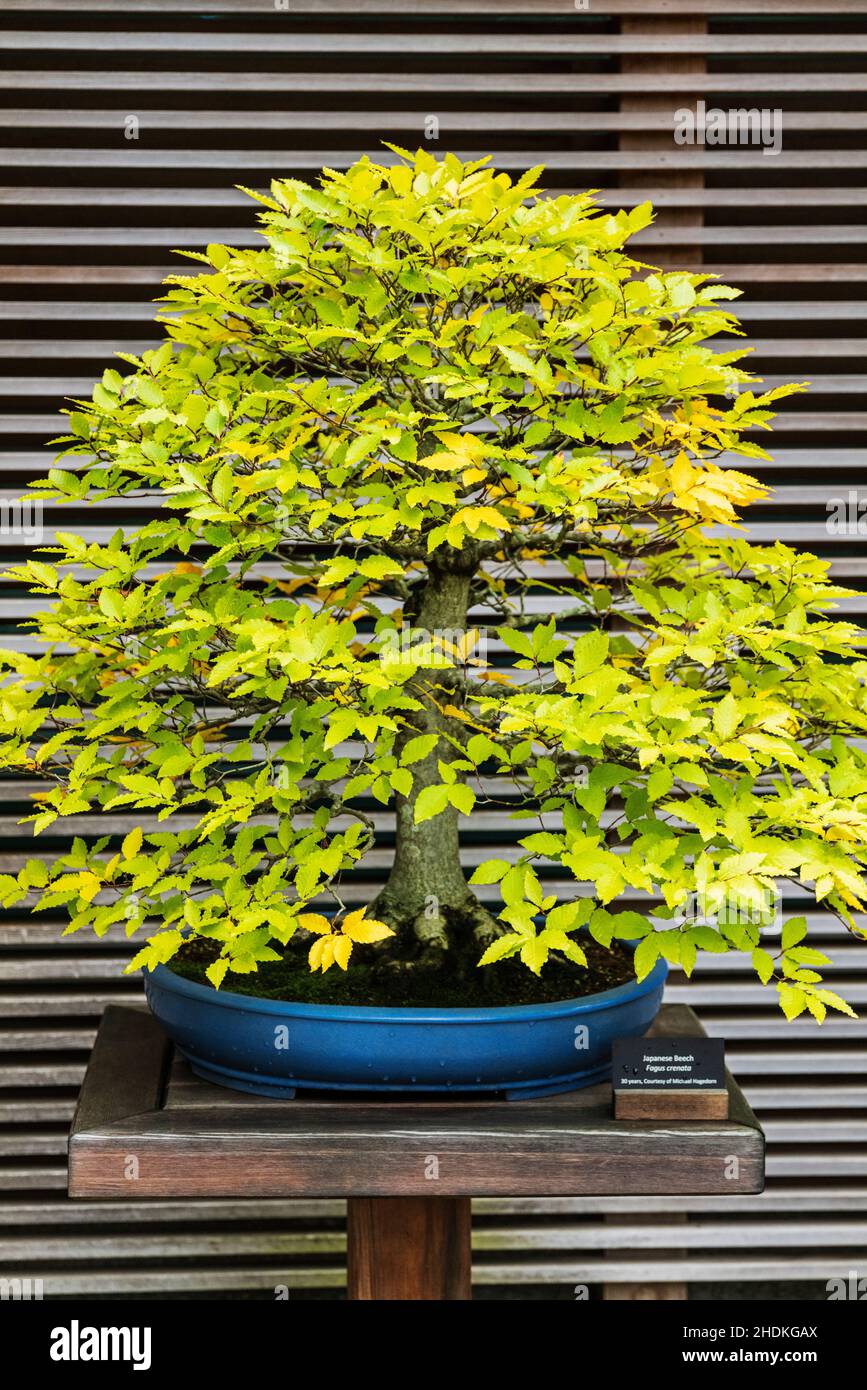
x=450 y=940
x=486 y=927
x=431 y=930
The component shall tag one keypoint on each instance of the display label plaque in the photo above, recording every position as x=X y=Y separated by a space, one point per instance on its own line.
x=661 y=1064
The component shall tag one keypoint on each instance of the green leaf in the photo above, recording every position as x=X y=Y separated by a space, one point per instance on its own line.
x=645 y=956
x=418 y=748
x=462 y=797
x=805 y=955
x=216 y=971
x=817 y=1008
x=430 y=802
x=111 y=604
x=590 y=652
x=629 y=926
x=401 y=780
x=557 y=940
x=834 y=1001
x=659 y=782
x=378 y=566
x=480 y=747
x=794 y=931
x=490 y=872
x=601 y=927
x=519 y=642
x=37 y=872
x=726 y=717
x=543 y=842
x=763 y=964
x=573 y=952
x=501 y=948
x=706 y=939
x=512 y=887
x=792 y=1001
x=566 y=916
x=534 y=954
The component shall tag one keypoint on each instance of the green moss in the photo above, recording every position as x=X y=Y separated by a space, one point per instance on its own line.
x=510 y=983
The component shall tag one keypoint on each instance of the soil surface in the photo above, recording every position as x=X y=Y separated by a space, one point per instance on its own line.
x=507 y=982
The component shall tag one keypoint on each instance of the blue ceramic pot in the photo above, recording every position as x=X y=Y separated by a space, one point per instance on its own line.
x=272 y=1048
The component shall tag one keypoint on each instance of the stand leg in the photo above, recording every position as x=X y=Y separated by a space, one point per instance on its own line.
x=650 y=1292
x=408 y=1247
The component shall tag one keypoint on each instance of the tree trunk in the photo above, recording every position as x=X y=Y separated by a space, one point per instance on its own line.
x=426 y=898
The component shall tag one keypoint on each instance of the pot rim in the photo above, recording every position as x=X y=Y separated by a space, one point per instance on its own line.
x=165 y=978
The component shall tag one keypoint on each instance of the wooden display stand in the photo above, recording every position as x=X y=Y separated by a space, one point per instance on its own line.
x=147 y=1127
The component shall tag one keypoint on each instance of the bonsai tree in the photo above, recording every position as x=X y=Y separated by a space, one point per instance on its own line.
x=431 y=395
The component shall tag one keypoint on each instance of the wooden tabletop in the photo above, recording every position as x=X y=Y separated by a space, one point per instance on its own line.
x=147 y=1127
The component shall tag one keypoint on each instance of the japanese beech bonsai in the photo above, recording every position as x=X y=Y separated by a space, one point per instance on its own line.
x=433 y=392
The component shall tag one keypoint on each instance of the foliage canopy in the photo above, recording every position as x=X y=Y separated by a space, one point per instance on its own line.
x=433 y=391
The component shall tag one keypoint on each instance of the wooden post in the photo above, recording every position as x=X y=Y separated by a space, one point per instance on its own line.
x=408 y=1248
x=647 y=1292
x=653 y=1293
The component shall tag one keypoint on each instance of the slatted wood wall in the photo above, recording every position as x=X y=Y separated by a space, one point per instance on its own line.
x=233 y=91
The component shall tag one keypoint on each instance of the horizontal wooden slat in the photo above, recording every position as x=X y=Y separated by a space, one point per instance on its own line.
x=300 y=80
x=207 y=200
x=129 y=1281
x=347 y=121
x=408 y=43
x=172 y=237
x=677 y=160
x=101 y=350
x=427 y=9
x=487 y=1240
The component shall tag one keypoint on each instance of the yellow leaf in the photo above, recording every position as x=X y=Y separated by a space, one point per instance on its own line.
x=443 y=462
x=495 y=677
x=365 y=930
x=351 y=918
x=456 y=451
x=132 y=843
x=90 y=886
x=681 y=475
x=314 y=955
x=474 y=517
x=321 y=953
x=467 y=642
x=314 y=921
x=342 y=951
x=400 y=178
